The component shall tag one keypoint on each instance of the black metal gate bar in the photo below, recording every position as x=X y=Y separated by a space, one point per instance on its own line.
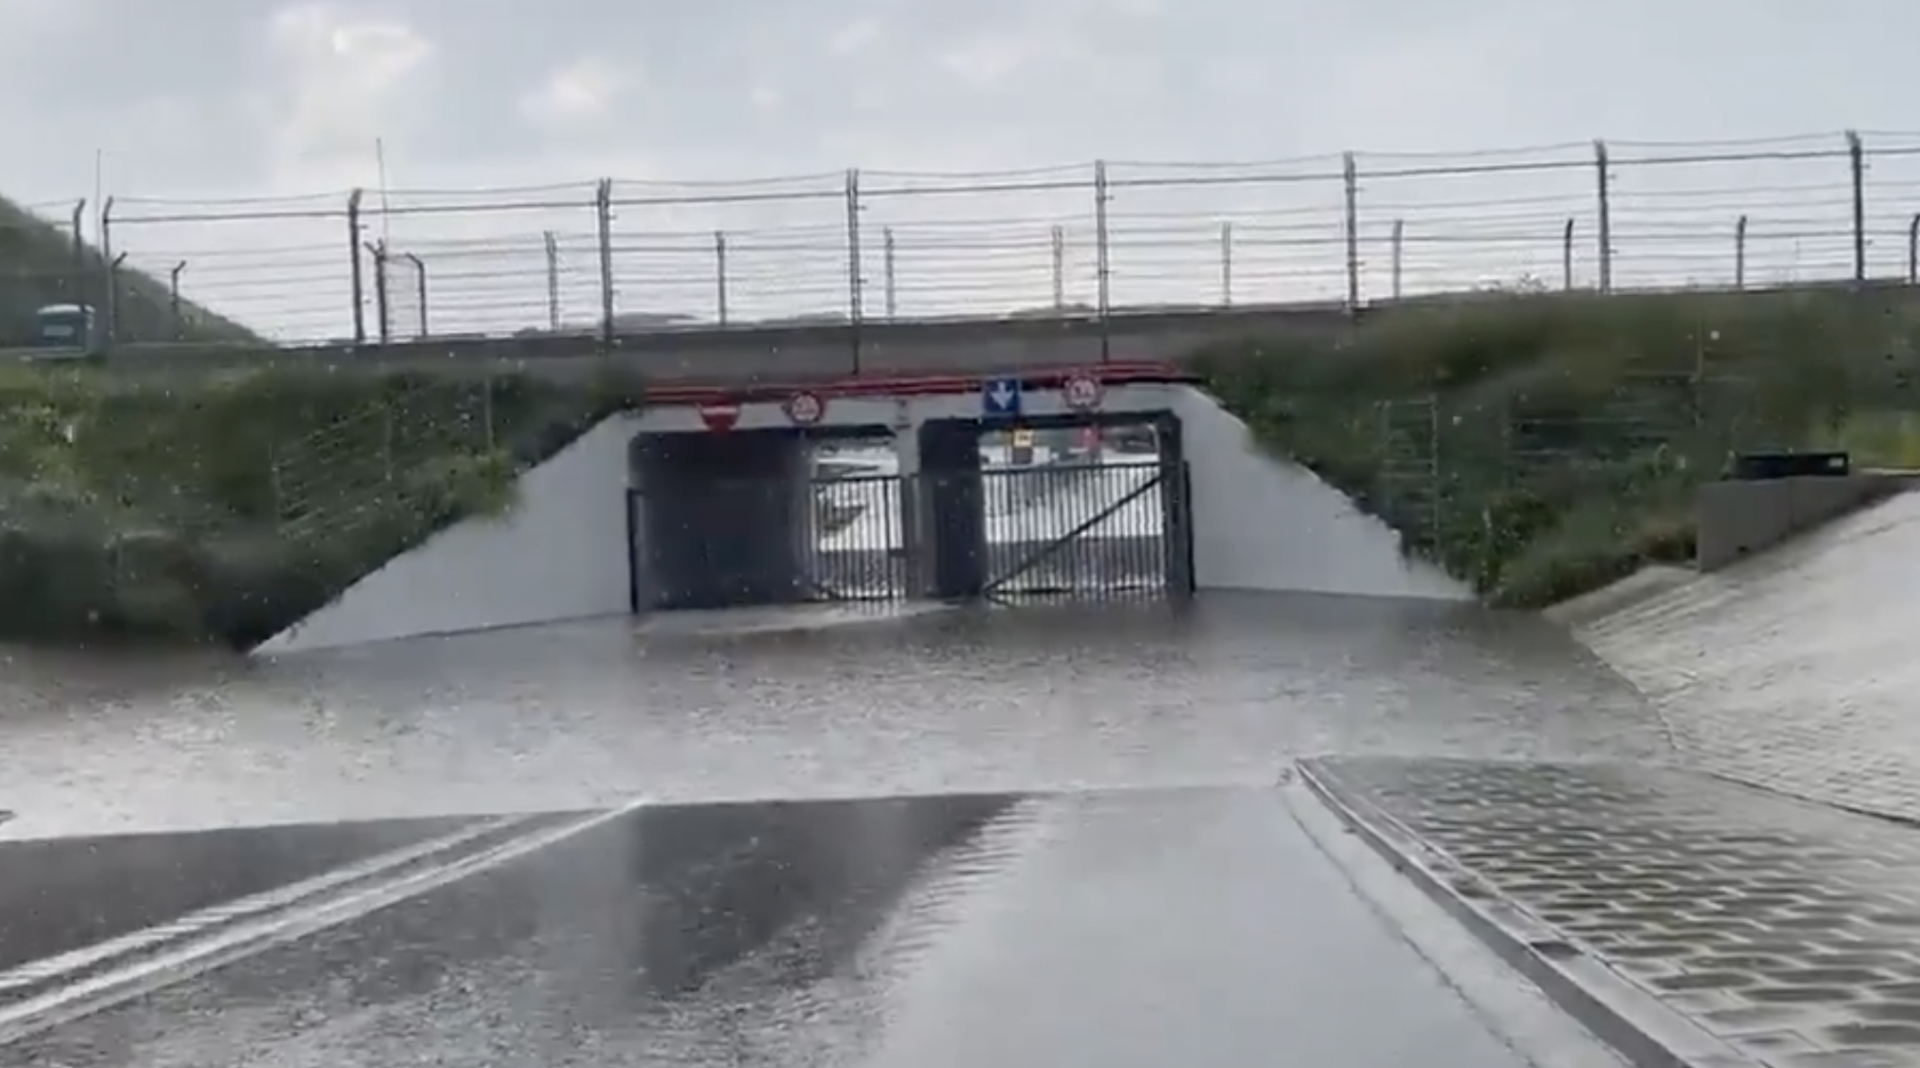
x=1055 y=497
x=857 y=549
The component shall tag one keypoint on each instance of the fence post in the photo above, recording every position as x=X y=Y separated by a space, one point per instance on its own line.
x=603 y=234
x=1603 y=209
x=355 y=269
x=113 y=297
x=109 y=291
x=1740 y=253
x=1350 y=176
x=720 y=274
x=1399 y=247
x=887 y=274
x=1226 y=265
x=173 y=300
x=79 y=279
x=856 y=309
x=1566 y=255
x=1103 y=260
x=1857 y=165
x=380 y=304
x=486 y=408
x=386 y=437
x=1913 y=250
x=420 y=289
x=1059 y=270
x=553 y=282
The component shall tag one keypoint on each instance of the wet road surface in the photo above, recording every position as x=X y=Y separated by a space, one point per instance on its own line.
x=1082 y=863
x=60 y=894
x=1120 y=928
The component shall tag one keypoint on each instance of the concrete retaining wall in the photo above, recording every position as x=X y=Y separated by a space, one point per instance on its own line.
x=1734 y=519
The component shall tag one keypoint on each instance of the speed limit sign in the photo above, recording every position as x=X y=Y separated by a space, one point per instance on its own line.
x=1082 y=392
x=805 y=408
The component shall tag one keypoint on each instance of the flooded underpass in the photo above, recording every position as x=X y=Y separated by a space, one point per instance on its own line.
x=1039 y=835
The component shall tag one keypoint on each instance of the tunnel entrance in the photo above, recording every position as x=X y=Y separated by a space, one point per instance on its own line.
x=760 y=517
x=1055 y=507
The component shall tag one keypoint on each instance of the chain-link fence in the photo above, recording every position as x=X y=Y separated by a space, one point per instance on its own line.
x=1481 y=484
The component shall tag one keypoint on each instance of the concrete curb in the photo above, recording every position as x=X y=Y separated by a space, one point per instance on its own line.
x=1646 y=1033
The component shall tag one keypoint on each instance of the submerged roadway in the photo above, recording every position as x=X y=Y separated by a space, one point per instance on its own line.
x=854 y=890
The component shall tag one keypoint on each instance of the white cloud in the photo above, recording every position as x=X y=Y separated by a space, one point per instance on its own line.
x=765 y=96
x=989 y=59
x=344 y=80
x=581 y=91
x=853 y=37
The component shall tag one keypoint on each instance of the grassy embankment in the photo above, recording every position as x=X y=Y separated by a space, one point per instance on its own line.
x=1543 y=446
x=222 y=509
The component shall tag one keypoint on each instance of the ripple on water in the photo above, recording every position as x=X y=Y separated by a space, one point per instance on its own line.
x=1054 y=697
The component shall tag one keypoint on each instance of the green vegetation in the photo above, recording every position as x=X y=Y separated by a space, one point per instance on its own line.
x=224 y=510
x=41 y=264
x=1541 y=446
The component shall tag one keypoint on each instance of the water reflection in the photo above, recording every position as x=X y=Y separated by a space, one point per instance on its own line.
x=1048 y=697
x=1137 y=928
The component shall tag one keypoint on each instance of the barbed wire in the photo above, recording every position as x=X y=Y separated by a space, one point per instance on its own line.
x=921 y=244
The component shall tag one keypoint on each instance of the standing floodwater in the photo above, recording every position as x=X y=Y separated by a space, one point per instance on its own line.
x=791 y=703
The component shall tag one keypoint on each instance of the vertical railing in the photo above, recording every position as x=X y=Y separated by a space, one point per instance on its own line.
x=108 y=326
x=1103 y=259
x=1857 y=171
x=1740 y=253
x=856 y=279
x=1603 y=217
x=603 y=232
x=720 y=276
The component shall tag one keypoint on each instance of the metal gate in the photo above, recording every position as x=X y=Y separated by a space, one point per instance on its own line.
x=1100 y=529
x=859 y=547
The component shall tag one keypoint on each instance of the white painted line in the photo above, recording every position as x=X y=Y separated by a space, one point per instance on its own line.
x=230 y=944
x=48 y=969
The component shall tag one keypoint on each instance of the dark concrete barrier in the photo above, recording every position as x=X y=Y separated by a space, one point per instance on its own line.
x=1735 y=519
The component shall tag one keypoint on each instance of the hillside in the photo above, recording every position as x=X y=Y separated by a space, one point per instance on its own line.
x=39 y=266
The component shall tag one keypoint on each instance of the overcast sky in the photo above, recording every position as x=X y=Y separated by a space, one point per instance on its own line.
x=226 y=98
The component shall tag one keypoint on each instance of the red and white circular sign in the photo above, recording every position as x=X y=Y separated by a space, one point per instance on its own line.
x=720 y=415
x=805 y=408
x=1082 y=392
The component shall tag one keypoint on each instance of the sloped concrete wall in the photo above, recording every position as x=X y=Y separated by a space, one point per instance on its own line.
x=562 y=553
x=1263 y=524
x=1793 y=669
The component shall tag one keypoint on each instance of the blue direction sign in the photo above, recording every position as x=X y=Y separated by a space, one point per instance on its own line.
x=1000 y=397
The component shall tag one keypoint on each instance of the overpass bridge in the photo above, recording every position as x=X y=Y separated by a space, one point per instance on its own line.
x=796 y=354
x=704 y=356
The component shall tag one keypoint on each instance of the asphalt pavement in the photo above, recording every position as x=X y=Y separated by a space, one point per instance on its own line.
x=1149 y=927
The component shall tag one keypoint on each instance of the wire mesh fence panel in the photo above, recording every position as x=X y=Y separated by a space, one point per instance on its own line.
x=859 y=547
x=1017 y=243
x=1408 y=491
x=733 y=252
x=1075 y=529
x=340 y=478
